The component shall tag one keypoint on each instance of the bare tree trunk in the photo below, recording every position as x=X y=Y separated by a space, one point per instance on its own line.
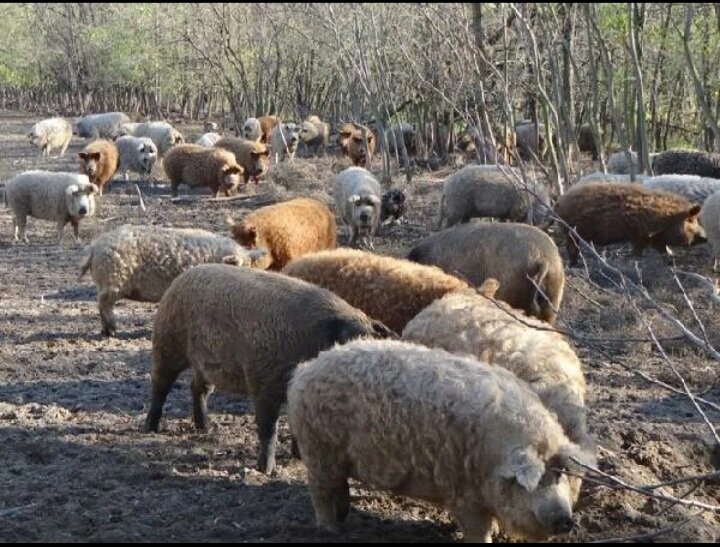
x=591 y=17
x=594 y=118
x=655 y=122
x=699 y=91
x=635 y=25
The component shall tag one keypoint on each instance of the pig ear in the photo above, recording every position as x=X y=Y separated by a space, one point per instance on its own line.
x=374 y=199
x=258 y=258
x=694 y=211
x=72 y=190
x=489 y=287
x=95 y=156
x=232 y=169
x=229 y=221
x=257 y=254
x=352 y=200
x=231 y=260
x=82 y=155
x=382 y=331
x=570 y=452
x=250 y=234
x=92 y=189
x=525 y=467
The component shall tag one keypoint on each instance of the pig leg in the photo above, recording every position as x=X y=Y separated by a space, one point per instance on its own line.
x=163 y=379
x=106 y=303
x=60 y=231
x=353 y=236
x=476 y=525
x=267 y=411
x=330 y=496
x=76 y=226
x=19 y=225
x=201 y=391
x=572 y=251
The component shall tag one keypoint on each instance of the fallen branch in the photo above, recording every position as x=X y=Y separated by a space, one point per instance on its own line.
x=247 y=197
x=252 y=200
x=644 y=490
x=642 y=538
x=705 y=282
x=139 y=194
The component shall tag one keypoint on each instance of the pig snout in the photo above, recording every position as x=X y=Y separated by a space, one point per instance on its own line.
x=561 y=524
x=700 y=236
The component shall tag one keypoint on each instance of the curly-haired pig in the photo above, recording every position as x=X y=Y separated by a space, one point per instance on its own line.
x=613 y=213
x=446 y=429
x=244 y=331
x=524 y=259
x=491 y=191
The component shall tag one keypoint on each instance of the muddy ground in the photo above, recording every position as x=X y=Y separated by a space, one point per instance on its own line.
x=74 y=465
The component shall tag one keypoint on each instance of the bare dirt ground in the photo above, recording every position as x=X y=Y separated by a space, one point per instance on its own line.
x=76 y=467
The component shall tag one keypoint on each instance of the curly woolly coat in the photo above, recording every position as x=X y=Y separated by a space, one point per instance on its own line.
x=469 y=324
x=137 y=154
x=267 y=124
x=361 y=146
x=140 y=262
x=710 y=218
x=287 y=230
x=244 y=331
x=284 y=141
x=521 y=257
x=618 y=163
x=692 y=187
x=254 y=157
x=687 y=162
x=388 y=289
x=315 y=133
x=197 y=165
x=613 y=213
x=100 y=160
x=614 y=178
x=431 y=425
x=61 y=197
x=208 y=139
x=51 y=133
x=489 y=191
x=164 y=135
x=100 y=126
x=358 y=201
